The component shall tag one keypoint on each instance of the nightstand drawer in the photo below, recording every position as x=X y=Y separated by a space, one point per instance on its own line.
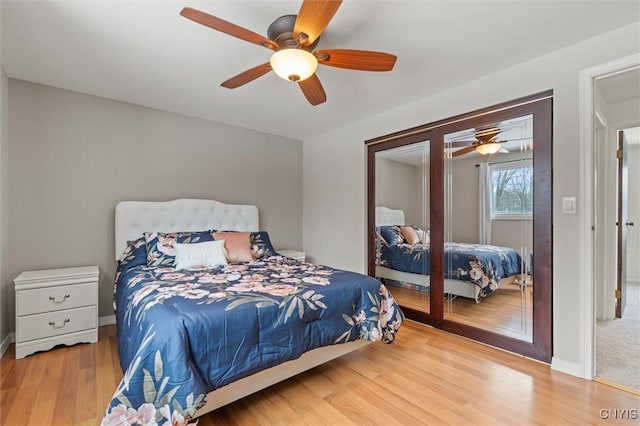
x=51 y=299
x=55 y=323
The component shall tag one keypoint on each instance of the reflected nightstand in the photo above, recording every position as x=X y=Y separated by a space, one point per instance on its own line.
x=293 y=254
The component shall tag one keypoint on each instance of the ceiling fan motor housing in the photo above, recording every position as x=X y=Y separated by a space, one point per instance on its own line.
x=281 y=31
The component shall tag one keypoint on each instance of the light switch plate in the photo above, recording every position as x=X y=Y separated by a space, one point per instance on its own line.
x=568 y=205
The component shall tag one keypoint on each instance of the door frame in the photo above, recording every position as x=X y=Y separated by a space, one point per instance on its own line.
x=586 y=364
x=621 y=219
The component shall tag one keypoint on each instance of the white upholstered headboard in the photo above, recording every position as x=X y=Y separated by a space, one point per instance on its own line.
x=386 y=216
x=133 y=218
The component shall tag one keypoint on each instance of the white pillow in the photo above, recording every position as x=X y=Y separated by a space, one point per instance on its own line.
x=423 y=236
x=200 y=255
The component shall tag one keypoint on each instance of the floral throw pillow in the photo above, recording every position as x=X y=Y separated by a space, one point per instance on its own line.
x=161 y=250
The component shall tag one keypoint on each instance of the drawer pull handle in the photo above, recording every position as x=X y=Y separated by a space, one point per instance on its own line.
x=53 y=324
x=53 y=299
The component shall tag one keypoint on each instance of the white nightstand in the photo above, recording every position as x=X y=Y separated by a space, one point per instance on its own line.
x=294 y=254
x=56 y=306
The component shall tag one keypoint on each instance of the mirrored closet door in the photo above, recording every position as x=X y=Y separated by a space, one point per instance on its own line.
x=488 y=248
x=402 y=223
x=458 y=210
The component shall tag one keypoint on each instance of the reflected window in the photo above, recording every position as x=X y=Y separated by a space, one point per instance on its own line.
x=511 y=190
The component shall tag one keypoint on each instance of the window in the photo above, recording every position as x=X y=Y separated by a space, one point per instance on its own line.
x=512 y=190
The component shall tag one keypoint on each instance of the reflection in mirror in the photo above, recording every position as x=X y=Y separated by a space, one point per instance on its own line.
x=488 y=228
x=402 y=223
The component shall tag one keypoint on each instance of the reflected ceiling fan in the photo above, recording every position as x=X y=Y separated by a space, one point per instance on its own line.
x=293 y=38
x=486 y=143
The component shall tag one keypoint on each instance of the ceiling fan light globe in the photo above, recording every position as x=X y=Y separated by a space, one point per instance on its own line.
x=489 y=148
x=293 y=64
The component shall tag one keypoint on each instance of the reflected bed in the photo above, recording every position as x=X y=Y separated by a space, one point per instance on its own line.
x=471 y=270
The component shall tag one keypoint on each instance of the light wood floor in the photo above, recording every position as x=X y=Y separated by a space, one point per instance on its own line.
x=506 y=311
x=426 y=377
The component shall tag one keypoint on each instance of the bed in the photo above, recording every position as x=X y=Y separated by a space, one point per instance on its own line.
x=192 y=340
x=471 y=270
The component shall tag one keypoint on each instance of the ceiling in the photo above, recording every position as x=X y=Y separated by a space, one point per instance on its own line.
x=620 y=87
x=145 y=53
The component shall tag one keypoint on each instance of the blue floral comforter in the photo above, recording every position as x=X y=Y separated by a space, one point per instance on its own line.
x=482 y=265
x=183 y=334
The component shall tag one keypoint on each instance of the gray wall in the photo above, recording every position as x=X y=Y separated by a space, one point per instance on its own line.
x=6 y=301
x=74 y=156
x=399 y=186
x=5 y=288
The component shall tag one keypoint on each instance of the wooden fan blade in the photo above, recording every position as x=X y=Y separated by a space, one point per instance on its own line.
x=463 y=151
x=313 y=90
x=313 y=18
x=227 y=28
x=247 y=76
x=458 y=144
x=363 y=60
x=488 y=135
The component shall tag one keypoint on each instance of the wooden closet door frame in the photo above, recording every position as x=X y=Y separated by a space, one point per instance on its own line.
x=540 y=106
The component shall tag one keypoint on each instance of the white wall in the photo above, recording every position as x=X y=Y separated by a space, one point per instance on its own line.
x=335 y=206
x=74 y=156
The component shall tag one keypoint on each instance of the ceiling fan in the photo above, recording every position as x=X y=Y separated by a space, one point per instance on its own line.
x=485 y=143
x=293 y=38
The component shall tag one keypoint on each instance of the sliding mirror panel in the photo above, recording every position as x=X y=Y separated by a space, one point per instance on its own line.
x=488 y=226
x=477 y=190
x=402 y=238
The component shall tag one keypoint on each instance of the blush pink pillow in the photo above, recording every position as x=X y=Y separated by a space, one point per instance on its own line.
x=237 y=244
x=410 y=235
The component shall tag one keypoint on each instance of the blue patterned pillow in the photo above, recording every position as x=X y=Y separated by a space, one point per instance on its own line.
x=261 y=245
x=161 y=250
x=392 y=235
x=135 y=254
x=379 y=238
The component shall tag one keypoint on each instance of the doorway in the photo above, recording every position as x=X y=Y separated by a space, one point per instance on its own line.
x=616 y=237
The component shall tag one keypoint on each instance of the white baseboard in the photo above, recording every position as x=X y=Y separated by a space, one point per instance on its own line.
x=108 y=320
x=11 y=337
x=563 y=366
